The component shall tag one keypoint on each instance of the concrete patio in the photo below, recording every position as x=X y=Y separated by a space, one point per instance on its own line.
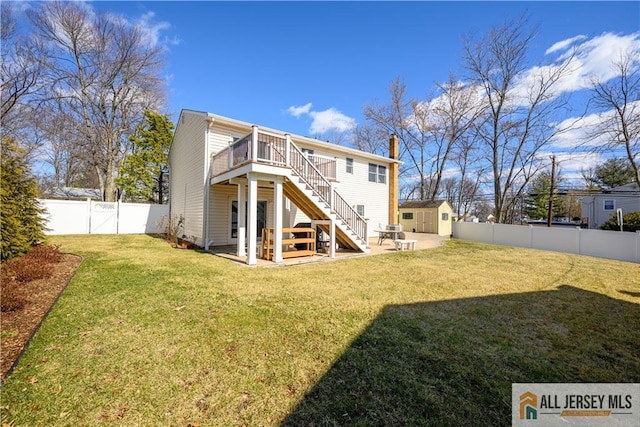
x=424 y=241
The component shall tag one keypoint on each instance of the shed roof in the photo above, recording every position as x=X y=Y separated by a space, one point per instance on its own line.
x=414 y=204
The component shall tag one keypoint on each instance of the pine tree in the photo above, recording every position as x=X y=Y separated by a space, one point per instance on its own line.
x=142 y=176
x=21 y=221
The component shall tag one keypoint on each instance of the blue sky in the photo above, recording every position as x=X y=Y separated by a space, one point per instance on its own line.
x=309 y=67
x=254 y=60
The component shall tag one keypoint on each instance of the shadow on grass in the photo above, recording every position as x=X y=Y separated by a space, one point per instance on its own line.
x=453 y=362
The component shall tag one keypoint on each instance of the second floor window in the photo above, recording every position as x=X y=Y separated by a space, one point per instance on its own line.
x=308 y=153
x=377 y=173
x=349 y=165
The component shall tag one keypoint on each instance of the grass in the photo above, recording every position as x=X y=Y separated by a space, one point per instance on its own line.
x=150 y=335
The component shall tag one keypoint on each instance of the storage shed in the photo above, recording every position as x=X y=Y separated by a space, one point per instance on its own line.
x=425 y=216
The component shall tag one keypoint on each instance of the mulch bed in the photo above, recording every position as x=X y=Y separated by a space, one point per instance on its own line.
x=18 y=326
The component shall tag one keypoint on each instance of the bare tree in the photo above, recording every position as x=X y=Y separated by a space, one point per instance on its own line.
x=519 y=104
x=454 y=114
x=370 y=139
x=19 y=68
x=428 y=130
x=103 y=74
x=619 y=98
x=406 y=119
x=471 y=174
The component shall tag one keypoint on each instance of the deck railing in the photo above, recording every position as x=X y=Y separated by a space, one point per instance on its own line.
x=306 y=170
x=271 y=149
x=314 y=169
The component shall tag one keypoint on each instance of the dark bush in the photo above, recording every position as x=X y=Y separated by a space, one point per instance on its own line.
x=13 y=297
x=36 y=264
x=630 y=222
x=49 y=254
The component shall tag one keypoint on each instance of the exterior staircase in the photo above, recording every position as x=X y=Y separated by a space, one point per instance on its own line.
x=307 y=187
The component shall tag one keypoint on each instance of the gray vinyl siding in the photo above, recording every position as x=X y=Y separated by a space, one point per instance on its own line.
x=187 y=174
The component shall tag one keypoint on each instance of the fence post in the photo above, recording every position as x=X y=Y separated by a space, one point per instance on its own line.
x=578 y=241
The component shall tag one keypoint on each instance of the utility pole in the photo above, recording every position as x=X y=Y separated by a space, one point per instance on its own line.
x=551 y=190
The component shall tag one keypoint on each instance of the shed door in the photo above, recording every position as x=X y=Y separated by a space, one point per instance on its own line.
x=426 y=223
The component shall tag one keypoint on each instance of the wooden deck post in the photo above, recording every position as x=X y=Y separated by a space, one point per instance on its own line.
x=287 y=149
x=254 y=144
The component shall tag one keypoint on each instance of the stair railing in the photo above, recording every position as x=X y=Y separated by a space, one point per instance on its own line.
x=321 y=186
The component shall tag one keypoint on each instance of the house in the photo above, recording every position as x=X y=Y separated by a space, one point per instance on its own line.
x=231 y=180
x=73 y=193
x=425 y=216
x=599 y=207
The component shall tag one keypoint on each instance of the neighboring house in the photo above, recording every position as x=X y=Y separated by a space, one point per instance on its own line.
x=424 y=216
x=73 y=193
x=230 y=179
x=598 y=208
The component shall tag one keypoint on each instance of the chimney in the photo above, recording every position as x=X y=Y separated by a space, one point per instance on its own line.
x=394 y=153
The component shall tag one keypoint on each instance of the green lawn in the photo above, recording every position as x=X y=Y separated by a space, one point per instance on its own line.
x=149 y=335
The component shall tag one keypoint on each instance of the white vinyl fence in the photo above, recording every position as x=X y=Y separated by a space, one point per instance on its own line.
x=93 y=217
x=622 y=246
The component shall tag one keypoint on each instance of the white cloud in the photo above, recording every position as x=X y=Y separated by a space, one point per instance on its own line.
x=330 y=119
x=298 y=111
x=591 y=59
x=561 y=45
x=594 y=58
x=323 y=121
x=151 y=31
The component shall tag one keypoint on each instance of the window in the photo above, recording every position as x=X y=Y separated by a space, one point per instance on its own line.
x=261 y=218
x=609 y=205
x=349 y=165
x=308 y=153
x=382 y=174
x=377 y=173
x=407 y=215
x=360 y=210
x=445 y=216
x=373 y=172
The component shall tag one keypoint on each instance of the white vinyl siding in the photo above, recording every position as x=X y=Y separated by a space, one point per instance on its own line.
x=187 y=174
x=190 y=188
x=220 y=200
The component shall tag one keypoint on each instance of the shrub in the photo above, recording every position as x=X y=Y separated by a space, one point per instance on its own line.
x=37 y=264
x=13 y=297
x=173 y=228
x=22 y=225
x=630 y=222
